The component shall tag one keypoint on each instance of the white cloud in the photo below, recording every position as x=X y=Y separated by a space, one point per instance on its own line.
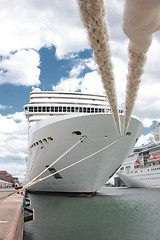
x=68 y=85
x=20 y=68
x=145 y=139
x=33 y=24
x=75 y=72
x=13 y=136
x=4 y=107
x=89 y=83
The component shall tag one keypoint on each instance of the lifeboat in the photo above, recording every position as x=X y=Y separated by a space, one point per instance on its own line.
x=152 y=159
x=137 y=163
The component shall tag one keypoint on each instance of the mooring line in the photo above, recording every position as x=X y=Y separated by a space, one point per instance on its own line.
x=81 y=139
x=71 y=165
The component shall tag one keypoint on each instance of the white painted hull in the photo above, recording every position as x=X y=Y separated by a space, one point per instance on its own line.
x=90 y=174
x=146 y=177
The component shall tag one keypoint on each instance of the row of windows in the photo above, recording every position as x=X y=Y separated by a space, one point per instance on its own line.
x=67 y=109
x=40 y=142
x=146 y=174
x=142 y=179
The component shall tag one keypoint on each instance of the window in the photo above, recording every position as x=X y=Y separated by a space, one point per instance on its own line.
x=39 y=109
x=88 y=110
x=43 y=109
x=48 y=109
x=84 y=109
x=64 y=109
x=92 y=110
x=30 y=109
x=35 y=109
x=72 y=109
x=56 y=109
x=68 y=109
x=52 y=109
x=60 y=109
x=80 y=109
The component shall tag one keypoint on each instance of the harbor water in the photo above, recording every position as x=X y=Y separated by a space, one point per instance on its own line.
x=113 y=214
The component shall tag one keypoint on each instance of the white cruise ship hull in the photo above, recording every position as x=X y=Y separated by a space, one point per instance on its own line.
x=89 y=175
x=146 y=177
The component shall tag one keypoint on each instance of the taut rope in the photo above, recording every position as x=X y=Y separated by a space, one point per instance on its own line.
x=31 y=183
x=135 y=70
x=93 y=17
x=81 y=139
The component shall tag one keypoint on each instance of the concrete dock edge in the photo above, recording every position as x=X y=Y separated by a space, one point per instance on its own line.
x=11 y=217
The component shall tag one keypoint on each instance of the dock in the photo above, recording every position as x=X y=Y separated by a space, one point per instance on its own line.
x=11 y=215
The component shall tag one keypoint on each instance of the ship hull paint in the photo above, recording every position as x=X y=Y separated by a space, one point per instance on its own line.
x=90 y=174
x=143 y=178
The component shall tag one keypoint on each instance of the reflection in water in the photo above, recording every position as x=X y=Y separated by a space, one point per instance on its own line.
x=113 y=214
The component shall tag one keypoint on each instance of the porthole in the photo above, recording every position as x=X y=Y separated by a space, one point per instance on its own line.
x=50 y=138
x=76 y=132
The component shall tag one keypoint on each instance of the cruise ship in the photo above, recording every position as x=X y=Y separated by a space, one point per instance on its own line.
x=56 y=122
x=142 y=167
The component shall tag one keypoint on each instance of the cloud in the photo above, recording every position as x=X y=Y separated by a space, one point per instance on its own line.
x=145 y=139
x=20 y=68
x=4 y=107
x=89 y=82
x=34 y=24
x=13 y=136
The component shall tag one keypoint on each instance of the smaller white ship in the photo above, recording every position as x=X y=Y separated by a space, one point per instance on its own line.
x=142 y=167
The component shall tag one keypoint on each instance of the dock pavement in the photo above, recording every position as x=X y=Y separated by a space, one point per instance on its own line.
x=11 y=215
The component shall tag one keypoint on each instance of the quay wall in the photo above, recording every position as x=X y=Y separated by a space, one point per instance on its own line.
x=11 y=217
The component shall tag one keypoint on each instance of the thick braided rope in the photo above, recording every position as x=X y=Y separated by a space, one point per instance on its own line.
x=135 y=70
x=93 y=17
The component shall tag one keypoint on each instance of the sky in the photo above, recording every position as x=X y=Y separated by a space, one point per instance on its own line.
x=44 y=44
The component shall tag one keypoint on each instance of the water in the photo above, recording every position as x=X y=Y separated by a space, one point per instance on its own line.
x=114 y=214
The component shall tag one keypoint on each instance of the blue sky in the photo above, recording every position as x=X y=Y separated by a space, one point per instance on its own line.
x=44 y=44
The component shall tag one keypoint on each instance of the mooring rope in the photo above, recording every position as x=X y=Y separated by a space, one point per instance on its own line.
x=69 y=166
x=135 y=70
x=81 y=139
x=93 y=17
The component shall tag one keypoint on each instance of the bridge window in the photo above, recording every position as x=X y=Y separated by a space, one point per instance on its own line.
x=64 y=109
x=68 y=109
x=30 y=109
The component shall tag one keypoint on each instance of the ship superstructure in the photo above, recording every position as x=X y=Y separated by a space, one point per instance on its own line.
x=142 y=167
